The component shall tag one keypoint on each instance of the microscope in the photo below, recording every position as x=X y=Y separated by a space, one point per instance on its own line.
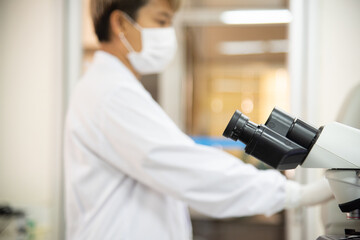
x=285 y=142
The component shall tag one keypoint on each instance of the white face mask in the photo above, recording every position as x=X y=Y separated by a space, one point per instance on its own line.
x=158 y=49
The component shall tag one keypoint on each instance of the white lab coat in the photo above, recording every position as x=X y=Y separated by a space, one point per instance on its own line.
x=131 y=173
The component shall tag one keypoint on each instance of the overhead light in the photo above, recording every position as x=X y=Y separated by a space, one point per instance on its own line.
x=272 y=16
x=241 y=47
x=253 y=47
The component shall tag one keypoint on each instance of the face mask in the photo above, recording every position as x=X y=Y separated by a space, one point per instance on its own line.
x=158 y=49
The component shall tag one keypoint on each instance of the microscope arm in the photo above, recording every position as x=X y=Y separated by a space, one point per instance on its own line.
x=338 y=146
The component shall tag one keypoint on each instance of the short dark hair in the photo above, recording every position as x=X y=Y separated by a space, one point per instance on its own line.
x=102 y=9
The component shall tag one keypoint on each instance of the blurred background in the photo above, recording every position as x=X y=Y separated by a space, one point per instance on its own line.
x=302 y=56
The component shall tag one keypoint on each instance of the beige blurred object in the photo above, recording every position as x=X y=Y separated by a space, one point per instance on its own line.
x=90 y=41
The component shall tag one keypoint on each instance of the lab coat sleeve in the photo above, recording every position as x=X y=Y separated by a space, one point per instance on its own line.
x=141 y=141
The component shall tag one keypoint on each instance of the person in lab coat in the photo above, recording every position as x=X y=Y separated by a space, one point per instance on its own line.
x=130 y=172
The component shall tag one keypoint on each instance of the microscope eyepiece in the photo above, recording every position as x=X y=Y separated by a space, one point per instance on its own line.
x=240 y=128
x=270 y=142
x=279 y=122
x=303 y=134
x=294 y=129
x=230 y=128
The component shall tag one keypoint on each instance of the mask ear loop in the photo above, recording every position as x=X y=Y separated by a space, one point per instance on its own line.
x=126 y=42
x=133 y=22
x=122 y=35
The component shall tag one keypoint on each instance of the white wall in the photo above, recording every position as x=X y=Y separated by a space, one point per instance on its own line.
x=31 y=107
x=340 y=54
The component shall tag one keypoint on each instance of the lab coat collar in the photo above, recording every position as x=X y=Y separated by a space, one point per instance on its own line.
x=112 y=62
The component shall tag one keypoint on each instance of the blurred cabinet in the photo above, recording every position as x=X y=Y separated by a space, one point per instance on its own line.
x=245 y=76
x=252 y=88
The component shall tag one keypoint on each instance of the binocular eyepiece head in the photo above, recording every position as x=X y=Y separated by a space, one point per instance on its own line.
x=283 y=142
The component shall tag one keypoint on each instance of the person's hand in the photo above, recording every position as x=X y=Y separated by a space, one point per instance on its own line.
x=298 y=195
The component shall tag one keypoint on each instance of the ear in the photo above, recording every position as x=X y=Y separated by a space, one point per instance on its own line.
x=117 y=23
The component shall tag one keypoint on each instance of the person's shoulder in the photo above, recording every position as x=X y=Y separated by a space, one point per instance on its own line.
x=102 y=78
x=128 y=92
